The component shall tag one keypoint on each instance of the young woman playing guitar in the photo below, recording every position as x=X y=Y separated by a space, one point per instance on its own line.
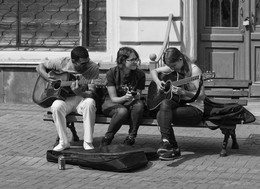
x=175 y=110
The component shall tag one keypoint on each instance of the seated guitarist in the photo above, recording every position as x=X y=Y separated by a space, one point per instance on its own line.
x=175 y=110
x=82 y=102
x=125 y=83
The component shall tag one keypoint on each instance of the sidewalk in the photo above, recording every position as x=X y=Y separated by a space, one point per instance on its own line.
x=25 y=138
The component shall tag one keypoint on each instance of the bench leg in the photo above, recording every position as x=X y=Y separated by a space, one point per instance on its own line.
x=75 y=137
x=227 y=133
x=223 y=151
x=234 y=139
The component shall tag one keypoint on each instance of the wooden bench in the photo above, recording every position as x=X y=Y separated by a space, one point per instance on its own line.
x=219 y=90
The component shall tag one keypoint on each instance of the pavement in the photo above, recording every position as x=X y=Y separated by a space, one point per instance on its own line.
x=25 y=138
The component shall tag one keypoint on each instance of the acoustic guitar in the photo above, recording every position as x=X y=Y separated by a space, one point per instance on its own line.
x=46 y=92
x=156 y=96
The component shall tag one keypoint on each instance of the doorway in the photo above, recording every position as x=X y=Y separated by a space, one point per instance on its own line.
x=229 y=39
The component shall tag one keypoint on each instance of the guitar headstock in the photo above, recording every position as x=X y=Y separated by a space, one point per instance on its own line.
x=208 y=75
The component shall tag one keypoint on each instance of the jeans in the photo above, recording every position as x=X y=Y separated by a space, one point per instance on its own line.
x=120 y=114
x=171 y=112
x=83 y=106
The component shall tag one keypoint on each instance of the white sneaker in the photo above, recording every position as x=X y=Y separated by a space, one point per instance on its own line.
x=61 y=147
x=88 y=146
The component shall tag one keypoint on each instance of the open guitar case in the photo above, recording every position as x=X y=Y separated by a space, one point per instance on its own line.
x=118 y=157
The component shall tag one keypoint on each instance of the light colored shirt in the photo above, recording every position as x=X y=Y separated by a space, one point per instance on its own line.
x=65 y=65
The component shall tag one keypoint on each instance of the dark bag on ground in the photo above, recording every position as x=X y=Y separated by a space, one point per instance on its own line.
x=119 y=158
x=228 y=114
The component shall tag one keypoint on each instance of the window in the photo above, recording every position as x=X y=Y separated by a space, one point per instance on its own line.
x=222 y=13
x=257 y=12
x=50 y=24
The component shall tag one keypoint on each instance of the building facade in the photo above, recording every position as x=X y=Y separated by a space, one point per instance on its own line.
x=220 y=35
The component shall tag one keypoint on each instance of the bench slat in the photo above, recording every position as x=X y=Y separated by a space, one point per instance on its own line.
x=242 y=102
x=99 y=119
x=226 y=94
x=220 y=90
x=222 y=83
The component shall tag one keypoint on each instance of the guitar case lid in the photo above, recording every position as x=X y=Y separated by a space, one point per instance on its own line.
x=118 y=157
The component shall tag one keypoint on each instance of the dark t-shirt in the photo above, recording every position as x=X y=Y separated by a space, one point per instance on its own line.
x=135 y=80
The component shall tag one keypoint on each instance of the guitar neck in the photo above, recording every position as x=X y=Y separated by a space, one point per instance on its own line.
x=81 y=82
x=185 y=80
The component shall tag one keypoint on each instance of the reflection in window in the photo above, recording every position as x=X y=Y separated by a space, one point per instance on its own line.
x=257 y=12
x=222 y=13
x=33 y=24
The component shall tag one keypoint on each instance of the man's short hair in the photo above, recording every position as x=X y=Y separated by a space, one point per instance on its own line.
x=79 y=52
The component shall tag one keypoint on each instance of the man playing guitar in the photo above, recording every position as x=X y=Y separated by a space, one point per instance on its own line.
x=81 y=102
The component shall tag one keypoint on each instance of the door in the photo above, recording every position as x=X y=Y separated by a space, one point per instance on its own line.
x=224 y=38
x=255 y=46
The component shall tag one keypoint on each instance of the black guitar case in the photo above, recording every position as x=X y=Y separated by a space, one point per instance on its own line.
x=118 y=157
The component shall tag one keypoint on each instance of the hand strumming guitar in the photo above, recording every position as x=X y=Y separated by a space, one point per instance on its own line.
x=178 y=91
x=160 y=85
x=79 y=91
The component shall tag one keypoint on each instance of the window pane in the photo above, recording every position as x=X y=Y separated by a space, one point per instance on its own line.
x=222 y=13
x=97 y=24
x=52 y=23
x=49 y=23
x=8 y=23
x=257 y=12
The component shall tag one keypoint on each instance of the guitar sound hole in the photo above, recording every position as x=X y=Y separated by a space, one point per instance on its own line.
x=57 y=84
x=167 y=87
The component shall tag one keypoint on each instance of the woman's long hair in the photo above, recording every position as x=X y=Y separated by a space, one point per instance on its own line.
x=172 y=54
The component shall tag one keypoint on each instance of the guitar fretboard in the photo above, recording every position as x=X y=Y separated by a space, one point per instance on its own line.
x=83 y=82
x=185 y=80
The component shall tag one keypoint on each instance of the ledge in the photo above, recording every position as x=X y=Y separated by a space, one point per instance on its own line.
x=106 y=66
x=34 y=63
x=19 y=64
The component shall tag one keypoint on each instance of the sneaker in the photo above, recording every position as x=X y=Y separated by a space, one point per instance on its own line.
x=165 y=147
x=106 y=141
x=167 y=156
x=129 y=140
x=61 y=147
x=88 y=146
x=176 y=152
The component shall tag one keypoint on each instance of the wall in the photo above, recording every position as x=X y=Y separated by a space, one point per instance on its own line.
x=140 y=24
x=17 y=82
x=143 y=24
x=137 y=23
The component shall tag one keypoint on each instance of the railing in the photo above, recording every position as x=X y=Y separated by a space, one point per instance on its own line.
x=156 y=61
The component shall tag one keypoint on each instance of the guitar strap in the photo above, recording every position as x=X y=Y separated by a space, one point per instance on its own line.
x=196 y=95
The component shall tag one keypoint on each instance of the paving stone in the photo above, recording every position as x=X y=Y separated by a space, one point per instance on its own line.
x=25 y=138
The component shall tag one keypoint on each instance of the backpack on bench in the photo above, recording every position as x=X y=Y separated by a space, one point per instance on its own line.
x=228 y=114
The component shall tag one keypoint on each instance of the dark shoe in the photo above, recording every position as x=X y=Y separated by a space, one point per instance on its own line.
x=106 y=141
x=168 y=156
x=176 y=152
x=165 y=147
x=129 y=141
